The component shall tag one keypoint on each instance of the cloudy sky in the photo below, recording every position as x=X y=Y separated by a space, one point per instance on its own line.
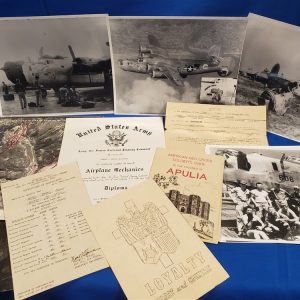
x=269 y=42
x=21 y=39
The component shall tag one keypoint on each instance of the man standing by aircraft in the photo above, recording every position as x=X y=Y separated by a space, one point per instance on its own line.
x=20 y=90
x=260 y=199
x=240 y=196
x=38 y=89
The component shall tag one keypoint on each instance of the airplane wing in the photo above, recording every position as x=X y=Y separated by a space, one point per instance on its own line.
x=173 y=76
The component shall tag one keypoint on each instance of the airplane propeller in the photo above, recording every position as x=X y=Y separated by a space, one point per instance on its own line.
x=75 y=59
x=140 y=50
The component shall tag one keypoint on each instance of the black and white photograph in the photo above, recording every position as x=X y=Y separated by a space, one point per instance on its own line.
x=218 y=90
x=261 y=193
x=269 y=73
x=5 y=269
x=28 y=146
x=160 y=59
x=55 y=66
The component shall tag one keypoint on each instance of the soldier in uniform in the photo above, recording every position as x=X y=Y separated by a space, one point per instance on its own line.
x=240 y=196
x=20 y=90
x=278 y=196
x=294 y=201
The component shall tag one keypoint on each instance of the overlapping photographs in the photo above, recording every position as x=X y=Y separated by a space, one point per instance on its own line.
x=261 y=193
x=160 y=59
x=269 y=73
x=28 y=146
x=55 y=66
x=218 y=90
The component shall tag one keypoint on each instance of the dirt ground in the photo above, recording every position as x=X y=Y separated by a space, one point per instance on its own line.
x=287 y=125
x=50 y=106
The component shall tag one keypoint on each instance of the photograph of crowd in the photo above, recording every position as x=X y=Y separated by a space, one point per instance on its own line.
x=261 y=193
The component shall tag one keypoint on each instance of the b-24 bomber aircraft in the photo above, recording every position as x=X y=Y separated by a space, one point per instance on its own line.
x=158 y=63
x=56 y=71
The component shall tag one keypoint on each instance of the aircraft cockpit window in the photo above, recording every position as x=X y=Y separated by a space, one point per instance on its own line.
x=275 y=167
x=62 y=66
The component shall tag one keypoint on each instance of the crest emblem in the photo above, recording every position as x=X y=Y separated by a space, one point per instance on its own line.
x=116 y=139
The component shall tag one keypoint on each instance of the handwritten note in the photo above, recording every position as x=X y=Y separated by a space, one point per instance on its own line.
x=219 y=118
x=190 y=124
x=184 y=139
x=150 y=247
x=49 y=240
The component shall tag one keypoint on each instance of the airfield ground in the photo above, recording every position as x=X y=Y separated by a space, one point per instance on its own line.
x=50 y=106
x=287 y=125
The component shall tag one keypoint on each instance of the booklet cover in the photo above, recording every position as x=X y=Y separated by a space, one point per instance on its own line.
x=193 y=183
x=151 y=249
x=113 y=153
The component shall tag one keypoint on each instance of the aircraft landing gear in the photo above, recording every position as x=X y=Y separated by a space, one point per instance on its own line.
x=44 y=93
x=56 y=91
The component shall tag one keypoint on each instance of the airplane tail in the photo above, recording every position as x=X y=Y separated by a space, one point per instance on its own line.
x=214 y=51
x=275 y=69
x=153 y=41
x=41 y=52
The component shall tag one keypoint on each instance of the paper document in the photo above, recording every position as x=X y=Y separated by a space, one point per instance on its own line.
x=50 y=242
x=151 y=249
x=112 y=153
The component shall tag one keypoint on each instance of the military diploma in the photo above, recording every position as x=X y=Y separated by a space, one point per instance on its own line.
x=113 y=153
x=193 y=183
x=164 y=258
x=50 y=242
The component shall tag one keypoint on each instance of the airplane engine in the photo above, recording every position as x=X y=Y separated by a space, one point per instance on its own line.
x=158 y=74
x=223 y=72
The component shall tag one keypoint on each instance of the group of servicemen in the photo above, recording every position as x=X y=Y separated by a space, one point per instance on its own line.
x=262 y=214
x=66 y=95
